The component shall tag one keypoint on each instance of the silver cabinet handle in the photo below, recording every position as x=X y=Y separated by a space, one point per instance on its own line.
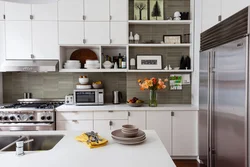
x=111 y=111
x=110 y=17
x=84 y=17
x=75 y=121
x=31 y=17
x=32 y=56
x=110 y=123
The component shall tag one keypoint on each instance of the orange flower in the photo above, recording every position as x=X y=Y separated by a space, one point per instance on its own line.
x=166 y=80
x=139 y=81
x=154 y=80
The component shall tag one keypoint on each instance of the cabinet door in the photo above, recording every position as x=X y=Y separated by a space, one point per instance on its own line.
x=119 y=11
x=75 y=125
x=2 y=10
x=110 y=115
x=160 y=121
x=2 y=41
x=117 y=124
x=70 y=10
x=76 y=31
x=211 y=9
x=44 y=11
x=45 y=40
x=119 y=32
x=97 y=33
x=137 y=118
x=17 y=11
x=185 y=133
x=18 y=40
x=102 y=125
x=97 y=10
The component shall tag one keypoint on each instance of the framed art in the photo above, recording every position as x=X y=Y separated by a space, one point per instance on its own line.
x=156 y=11
x=172 y=39
x=140 y=9
x=149 y=62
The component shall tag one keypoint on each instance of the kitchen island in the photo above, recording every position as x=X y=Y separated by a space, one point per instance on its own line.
x=70 y=153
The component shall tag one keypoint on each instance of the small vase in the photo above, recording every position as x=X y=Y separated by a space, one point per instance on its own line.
x=153 y=98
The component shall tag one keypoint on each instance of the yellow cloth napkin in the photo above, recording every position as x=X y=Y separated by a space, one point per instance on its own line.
x=84 y=138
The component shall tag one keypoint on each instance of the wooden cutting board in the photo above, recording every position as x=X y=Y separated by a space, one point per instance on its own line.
x=82 y=55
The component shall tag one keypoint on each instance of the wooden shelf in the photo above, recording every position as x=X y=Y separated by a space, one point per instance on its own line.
x=167 y=71
x=93 y=70
x=150 y=22
x=159 y=45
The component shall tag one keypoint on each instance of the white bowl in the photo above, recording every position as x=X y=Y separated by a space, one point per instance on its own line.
x=107 y=66
x=69 y=66
x=107 y=63
x=92 y=62
x=92 y=66
x=84 y=81
x=73 y=61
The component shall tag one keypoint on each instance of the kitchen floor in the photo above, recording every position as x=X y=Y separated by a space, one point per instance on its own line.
x=187 y=163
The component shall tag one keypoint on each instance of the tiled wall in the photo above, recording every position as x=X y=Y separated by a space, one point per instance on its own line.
x=57 y=85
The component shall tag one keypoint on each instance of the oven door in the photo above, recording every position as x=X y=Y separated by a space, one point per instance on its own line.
x=27 y=127
x=85 y=97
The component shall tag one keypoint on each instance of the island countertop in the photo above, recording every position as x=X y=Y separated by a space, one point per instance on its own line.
x=70 y=153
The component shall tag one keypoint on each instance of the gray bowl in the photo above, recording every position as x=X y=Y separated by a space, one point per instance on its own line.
x=135 y=104
x=97 y=86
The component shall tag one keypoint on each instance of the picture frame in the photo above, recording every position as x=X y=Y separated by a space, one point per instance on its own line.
x=172 y=39
x=140 y=9
x=149 y=62
x=156 y=9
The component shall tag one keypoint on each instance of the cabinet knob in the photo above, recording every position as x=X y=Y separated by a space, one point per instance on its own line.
x=75 y=121
x=111 y=111
x=110 y=17
x=110 y=40
x=31 y=17
x=84 y=17
x=32 y=56
x=110 y=123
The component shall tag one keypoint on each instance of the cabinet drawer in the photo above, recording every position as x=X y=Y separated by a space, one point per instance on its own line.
x=61 y=116
x=110 y=115
x=75 y=125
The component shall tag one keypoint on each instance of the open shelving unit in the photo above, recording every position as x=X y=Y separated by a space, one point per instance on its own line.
x=153 y=22
x=161 y=45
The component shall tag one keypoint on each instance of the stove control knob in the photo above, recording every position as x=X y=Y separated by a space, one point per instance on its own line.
x=5 y=118
x=49 y=118
x=31 y=117
x=12 y=118
x=42 y=117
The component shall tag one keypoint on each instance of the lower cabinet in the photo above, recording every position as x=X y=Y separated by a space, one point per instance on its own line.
x=137 y=118
x=160 y=121
x=107 y=125
x=75 y=125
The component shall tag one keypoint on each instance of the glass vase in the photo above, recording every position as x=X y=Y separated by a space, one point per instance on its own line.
x=153 y=98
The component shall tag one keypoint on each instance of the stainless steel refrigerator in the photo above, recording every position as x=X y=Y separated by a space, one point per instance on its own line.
x=224 y=93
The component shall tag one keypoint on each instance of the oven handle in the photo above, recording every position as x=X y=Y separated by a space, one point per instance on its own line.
x=26 y=125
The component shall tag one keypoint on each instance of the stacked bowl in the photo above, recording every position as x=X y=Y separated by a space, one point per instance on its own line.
x=92 y=64
x=72 y=64
x=129 y=135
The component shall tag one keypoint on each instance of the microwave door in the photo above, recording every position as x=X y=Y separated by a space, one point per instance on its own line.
x=85 y=98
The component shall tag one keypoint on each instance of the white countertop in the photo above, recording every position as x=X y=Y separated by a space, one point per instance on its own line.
x=70 y=153
x=122 y=107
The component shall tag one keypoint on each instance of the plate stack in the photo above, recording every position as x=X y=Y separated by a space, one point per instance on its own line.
x=129 y=135
x=72 y=64
x=92 y=64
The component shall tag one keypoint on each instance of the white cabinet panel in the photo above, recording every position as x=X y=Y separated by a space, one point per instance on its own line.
x=75 y=125
x=160 y=121
x=119 y=32
x=45 y=40
x=70 y=10
x=2 y=41
x=119 y=10
x=110 y=115
x=60 y=116
x=97 y=10
x=2 y=10
x=211 y=9
x=76 y=31
x=117 y=124
x=97 y=33
x=44 y=11
x=138 y=118
x=18 y=40
x=101 y=125
x=185 y=133
x=17 y=11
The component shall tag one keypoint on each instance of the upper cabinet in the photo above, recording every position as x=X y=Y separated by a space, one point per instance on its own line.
x=44 y=11
x=2 y=41
x=2 y=10
x=97 y=33
x=119 y=33
x=17 y=11
x=70 y=10
x=119 y=11
x=96 y=10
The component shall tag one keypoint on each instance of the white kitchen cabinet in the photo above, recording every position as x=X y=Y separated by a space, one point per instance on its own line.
x=119 y=32
x=17 y=11
x=211 y=10
x=62 y=116
x=2 y=41
x=2 y=13
x=76 y=31
x=45 y=40
x=70 y=10
x=45 y=12
x=102 y=125
x=160 y=121
x=97 y=33
x=137 y=118
x=108 y=115
x=185 y=133
x=119 y=11
x=75 y=125
x=96 y=10
x=18 y=40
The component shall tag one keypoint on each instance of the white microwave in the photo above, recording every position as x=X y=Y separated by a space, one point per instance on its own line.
x=89 y=97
